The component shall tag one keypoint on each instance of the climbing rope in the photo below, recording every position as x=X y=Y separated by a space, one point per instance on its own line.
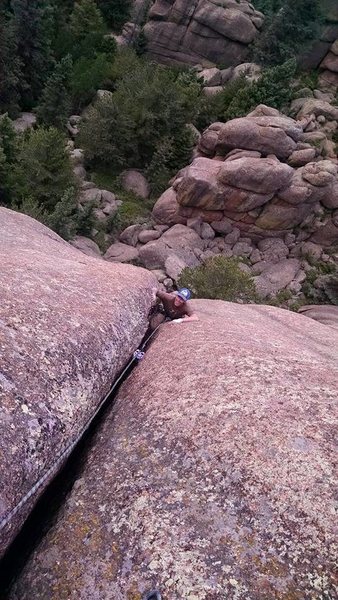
x=137 y=356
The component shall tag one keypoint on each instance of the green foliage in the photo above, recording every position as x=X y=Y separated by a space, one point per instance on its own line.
x=115 y=12
x=8 y=148
x=65 y=218
x=55 y=104
x=219 y=278
x=273 y=88
x=133 y=209
x=143 y=123
x=331 y=290
x=89 y=75
x=268 y=7
x=10 y=67
x=289 y=28
x=33 y=25
x=43 y=170
x=214 y=108
x=105 y=136
x=171 y=154
x=85 y=21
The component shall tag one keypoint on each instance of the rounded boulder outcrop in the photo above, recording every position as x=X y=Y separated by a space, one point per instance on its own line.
x=214 y=474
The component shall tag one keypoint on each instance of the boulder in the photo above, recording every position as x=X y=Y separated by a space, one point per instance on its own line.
x=238 y=185
x=211 y=77
x=134 y=181
x=328 y=315
x=280 y=215
x=277 y=277
x=130 y=234
x=242 y=249
x=207 y=232
x=86 y=245
x=320 y=174
x=148 y=235
x=201 y=32
x=180 y=237
x=174 y=267
x=312 y=106
x=276 y=135
x=119 y=252
x=154 y=255
x=213 y=476
x=330 y=62
x=69 y=323
x=25 y=121
x=166 y=209
x=299 y=158
x=327 y=235
x=251 y=71
x=223 y=227
x=273 y=250
x=309 y=249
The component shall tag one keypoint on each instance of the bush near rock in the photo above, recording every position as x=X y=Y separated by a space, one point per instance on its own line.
x=214 y=474
x=69 y=324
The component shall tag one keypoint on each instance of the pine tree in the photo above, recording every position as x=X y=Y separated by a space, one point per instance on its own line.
x=10 y=67
x=115 y=12
x=85 y=20
x=8 y=149
x=55 y=105
x=287 y=32
x=86 y=29
x=33 y=22
x=43 y=170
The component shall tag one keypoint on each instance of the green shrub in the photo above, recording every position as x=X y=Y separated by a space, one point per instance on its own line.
x=220 y=278
x=65 y=218
x=273 y=89
x=214 y=108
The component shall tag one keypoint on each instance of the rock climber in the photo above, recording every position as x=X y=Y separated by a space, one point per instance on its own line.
x=174 y=307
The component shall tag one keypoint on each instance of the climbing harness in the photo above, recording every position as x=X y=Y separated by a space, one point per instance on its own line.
x=154 y=595
x=137 y=355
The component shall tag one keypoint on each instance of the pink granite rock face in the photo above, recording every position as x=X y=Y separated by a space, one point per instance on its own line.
x=200 y=31
x=214 y=475
x=68 y=324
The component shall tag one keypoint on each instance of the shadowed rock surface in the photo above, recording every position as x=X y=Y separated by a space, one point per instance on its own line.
x=68 y=324
x=213 y=476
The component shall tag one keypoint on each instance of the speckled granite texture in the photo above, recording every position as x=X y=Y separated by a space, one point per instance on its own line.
x=214 y=477
x=68 y=324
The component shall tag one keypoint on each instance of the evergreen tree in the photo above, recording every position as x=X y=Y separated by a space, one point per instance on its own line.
x=115 y=12
x=288 y=31
x=86 y=29
x=43 y=170
x=55 y=105
x=33 y=21
x=10 y=67
x=8 y=148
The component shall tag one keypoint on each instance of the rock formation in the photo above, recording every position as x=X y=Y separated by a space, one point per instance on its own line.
x=213 y=476
x=263 y=187
x=68 y=325
x=199 y=31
